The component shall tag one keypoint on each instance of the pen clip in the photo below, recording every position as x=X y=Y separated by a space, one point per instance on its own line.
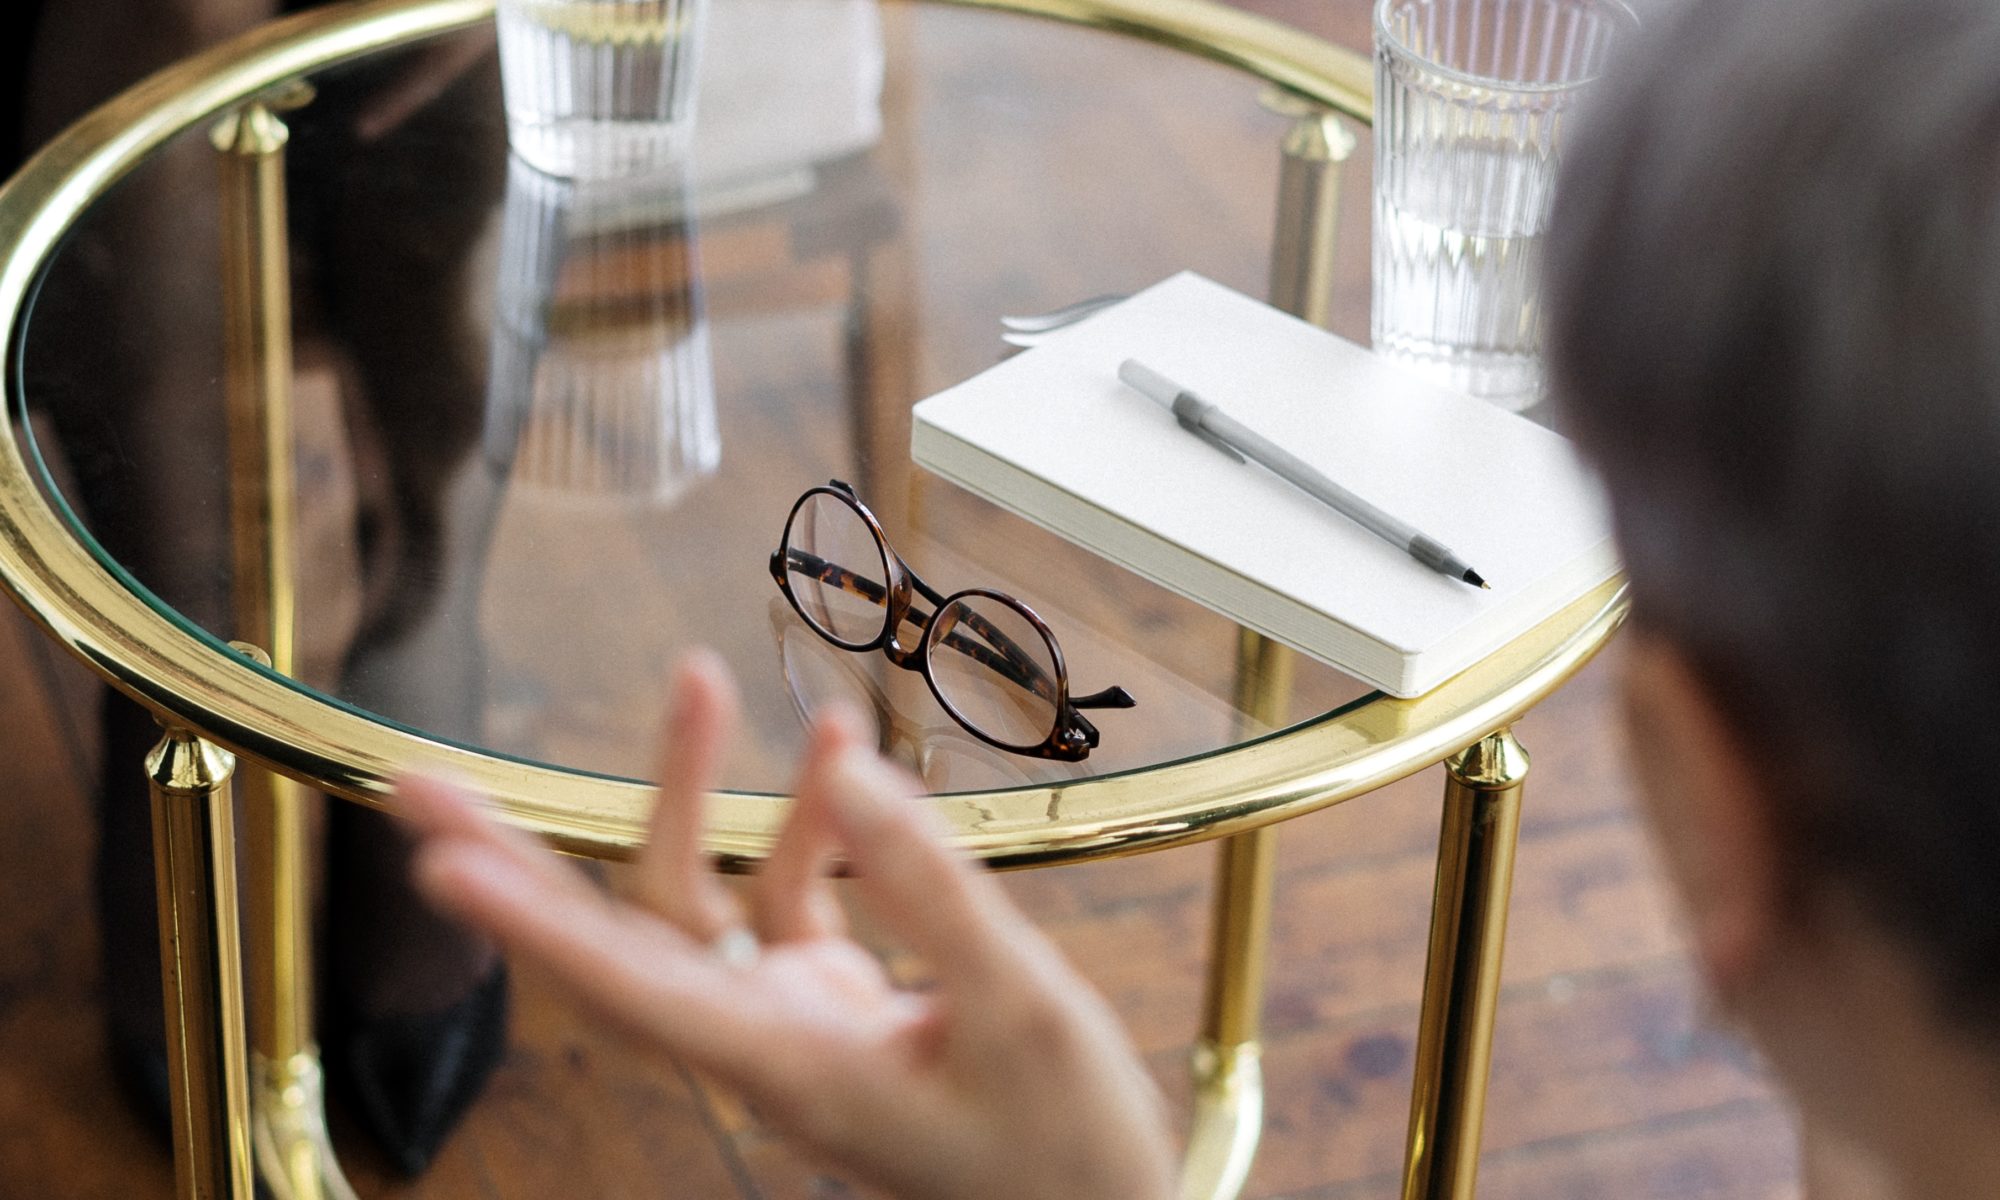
x=1189 y=416
x=1216 y=442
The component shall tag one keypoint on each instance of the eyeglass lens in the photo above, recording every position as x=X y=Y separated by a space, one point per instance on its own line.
x=994 y=669
x=837 y=570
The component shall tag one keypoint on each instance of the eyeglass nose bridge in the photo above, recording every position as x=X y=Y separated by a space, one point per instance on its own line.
x=909 y=658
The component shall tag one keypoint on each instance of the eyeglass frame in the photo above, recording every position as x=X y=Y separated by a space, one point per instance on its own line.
x=1071 y=735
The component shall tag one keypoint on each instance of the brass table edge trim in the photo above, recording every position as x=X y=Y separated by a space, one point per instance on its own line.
x=1300 y=63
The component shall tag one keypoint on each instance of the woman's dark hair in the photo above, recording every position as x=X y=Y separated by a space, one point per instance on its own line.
x=1774 y=325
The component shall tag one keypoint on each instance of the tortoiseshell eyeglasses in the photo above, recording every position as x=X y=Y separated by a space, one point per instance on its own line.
x=990 y=661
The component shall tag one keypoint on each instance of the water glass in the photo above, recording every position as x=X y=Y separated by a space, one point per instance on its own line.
x=1471 y=97
x=599 y=88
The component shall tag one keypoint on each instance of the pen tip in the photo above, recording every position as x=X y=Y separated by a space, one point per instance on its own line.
x=1472 y=577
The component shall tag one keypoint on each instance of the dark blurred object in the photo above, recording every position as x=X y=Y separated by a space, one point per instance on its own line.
x=415 y=1007
x=17 y=38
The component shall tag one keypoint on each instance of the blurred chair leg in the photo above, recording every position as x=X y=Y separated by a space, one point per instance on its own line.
x=1482 y=820
x=194 y=847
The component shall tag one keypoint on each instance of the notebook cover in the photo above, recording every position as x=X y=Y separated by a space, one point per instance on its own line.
x=1053 y=434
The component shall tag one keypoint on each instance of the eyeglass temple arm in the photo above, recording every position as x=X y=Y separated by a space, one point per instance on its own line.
x=1111 y=697
x=815 y=567
x=1020 y=667
x=1010 y=661
x=1013 y=663
x=1026 y=672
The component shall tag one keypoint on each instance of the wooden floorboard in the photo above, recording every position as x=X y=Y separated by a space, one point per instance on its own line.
x=64 y=1130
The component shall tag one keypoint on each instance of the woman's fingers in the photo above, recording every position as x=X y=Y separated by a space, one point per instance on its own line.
x=444 y=811
x=931 y=896
x=640 y=970
x=673 y=877
x=791 y=900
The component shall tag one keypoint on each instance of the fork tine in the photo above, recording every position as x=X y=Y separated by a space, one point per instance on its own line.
x=1068 y=314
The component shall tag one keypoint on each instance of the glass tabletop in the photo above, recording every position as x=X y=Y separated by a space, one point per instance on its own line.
x=546 y=433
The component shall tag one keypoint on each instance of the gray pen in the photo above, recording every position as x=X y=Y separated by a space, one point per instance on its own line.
x=1229 y=435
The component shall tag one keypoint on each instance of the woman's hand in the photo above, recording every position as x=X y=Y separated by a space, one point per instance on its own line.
x=1009 y=1078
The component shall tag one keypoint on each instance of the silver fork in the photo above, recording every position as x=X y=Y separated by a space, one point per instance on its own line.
x=1030 y=330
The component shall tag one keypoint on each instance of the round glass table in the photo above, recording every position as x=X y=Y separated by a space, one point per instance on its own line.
x=344 y=442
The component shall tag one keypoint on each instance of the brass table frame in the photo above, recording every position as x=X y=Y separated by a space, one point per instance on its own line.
x=236 y=1113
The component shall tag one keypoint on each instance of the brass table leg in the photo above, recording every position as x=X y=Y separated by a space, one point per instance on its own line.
x=194 y=862
x=1482 y=818
x=1228 y=1072
x=884 y=318
x=1316 y=149
x=294 y=1155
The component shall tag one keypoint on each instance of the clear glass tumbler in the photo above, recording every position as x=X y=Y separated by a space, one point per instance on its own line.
x=1470 y=101
x=599 y=88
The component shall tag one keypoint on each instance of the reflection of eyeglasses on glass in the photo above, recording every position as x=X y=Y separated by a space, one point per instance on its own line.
x=989 y=660
x=943 y=755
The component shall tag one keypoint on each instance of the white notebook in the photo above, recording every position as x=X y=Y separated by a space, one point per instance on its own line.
x=1054 y=436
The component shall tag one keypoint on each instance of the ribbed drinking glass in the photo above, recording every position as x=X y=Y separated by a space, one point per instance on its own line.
x=599 y=88
x=1471 y=97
